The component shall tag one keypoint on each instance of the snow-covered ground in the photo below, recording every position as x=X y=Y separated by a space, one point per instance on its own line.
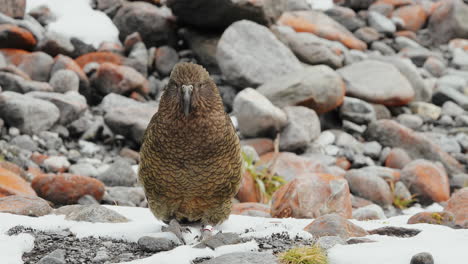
x=448 y=246
x=76 y=18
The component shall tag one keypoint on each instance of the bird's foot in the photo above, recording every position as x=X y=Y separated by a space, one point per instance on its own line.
x=175 y=228
x=205 y=233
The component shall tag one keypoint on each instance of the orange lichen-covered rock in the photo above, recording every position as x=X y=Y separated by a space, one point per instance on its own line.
x=251 y=209
x=261 y=145
x=322 y=26
x=99 y=57
x=435 y=218
x=24 y=205
x=413 y=16
x=311 y=196
x=67 y=188
x=395 y=3
x=427 y=180
x=397 y=158
x=458 y=205
x=14 y=56
x=12 y=36
x=334 y=225
x=248 y=191
x=12 y=184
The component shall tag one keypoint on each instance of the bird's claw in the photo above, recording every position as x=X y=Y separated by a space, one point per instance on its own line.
x=175 y=228
x=205 y=233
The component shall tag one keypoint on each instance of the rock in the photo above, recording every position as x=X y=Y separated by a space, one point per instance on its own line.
x=390 y=133
x=445 y=93
x=410 y=121
x=24 y=205
x=434 y=218
x=321 y=25
x=381 y=23
x=365 y=184
x=166 y=58
x=458 y=205
x=119 y=173
x=149 y=20
x=345 y=16
x=256 y=114
x=310 y=48
x=55 y=43
x=100 y=57
x=124 y=196
x=16 y=83
x=24 y=142
x=318 y=87
x=359 y=4
x=251 y=209
x=66 y=63
x=383 y=48
x=12 y=184
x=367 y=34
x=331 y=195
x=413 y=16
x=220 y=239
x=372 y=149
x=204 y=46
x=13 y=8
x=36 y=65
x=29 y=114
x=357 y=111
x=63 y=81
x=272 y=58
x=448 y=21
x=427 y=180
x=71 y=104
x=55 y=257
x=111 y=78
x=90 y=213
x=435 y=66
x=248 y=191
x=395 y=231
x=402 y=192
x=261 y=145
x=422 y=258
x=12 y=36
x=223 y=14
x=66 y=188
x=452 y=109
x=397 y=158
x=327 y=242
x=334 y=225
x=369 y=212
x=127 y=117
x=155 y=244
x=426 y=110
x=56 y=164
x=363 y=77
x=303 y=127
x=243 y=257
x=83 y=169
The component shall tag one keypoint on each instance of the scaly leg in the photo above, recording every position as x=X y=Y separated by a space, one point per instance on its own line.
x=175 y=228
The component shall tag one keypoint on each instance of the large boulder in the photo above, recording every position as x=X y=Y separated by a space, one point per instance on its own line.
x=225 y=12
x=316 y=87
x=29 y=114
x=149 y=20
x=449 y=21
x=249 y=54
x=377 y=82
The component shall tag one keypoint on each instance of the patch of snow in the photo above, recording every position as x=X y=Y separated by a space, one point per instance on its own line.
x=321 y=4
x=76 y=18
x=13 y=247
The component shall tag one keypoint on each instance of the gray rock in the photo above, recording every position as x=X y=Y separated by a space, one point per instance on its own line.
x=55 y=257
x=120 y=173
x=367 y=34
x=56 y=163
x=63 y=81
x=446 y=93
x=369 y=212
x=381 y=23
x=357 y=111
x=435 y=66
x=346 y=140
x=354 y=56
x=90 y=213
x=155 y=244
x=243 y=257
x=37 y=65
x=318 y=87
x=327 y=242
x=353 y=127
x=303 y=127
x=127 y=117
x=124 y=196
x=52 y=141
x=138 y=58
x=87 y=200
x=204 y=46
x=346 y=17
x=366 y=185
x=401 y=191
x=461 y=121
x=454 y=81
x=16 y=83
x=363 y=78
x=449 y=22
x=422 y=258
x=446 y=143
x=410 y=121
x=426 y=110
x=166 y=59
x=24 y=142
x=28 y=114
x=256 y=114
x=334 y=225
x=149 y=20
x=372 y=149
x=418 y=55
x=55 y=43
x=459 y=181
x=101 y=256
x=272 y=58
x=460 y=59
x=383 y=48
x=404 y=42
x=84 y=169
x=452 y=109
x=359 y=4
x=220 y=239
x=297 y=5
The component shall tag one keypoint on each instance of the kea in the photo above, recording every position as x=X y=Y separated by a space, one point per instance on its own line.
x=191 y=163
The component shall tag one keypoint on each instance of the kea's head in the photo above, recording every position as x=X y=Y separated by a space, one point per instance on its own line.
x=190 y=92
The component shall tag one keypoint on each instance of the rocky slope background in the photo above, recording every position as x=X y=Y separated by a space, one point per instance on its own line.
x=356 y=108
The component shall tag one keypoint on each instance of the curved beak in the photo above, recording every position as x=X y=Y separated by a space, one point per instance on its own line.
x=186 y=98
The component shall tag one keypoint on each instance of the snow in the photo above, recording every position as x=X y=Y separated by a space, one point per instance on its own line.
x=448 y=246
x=76 y=18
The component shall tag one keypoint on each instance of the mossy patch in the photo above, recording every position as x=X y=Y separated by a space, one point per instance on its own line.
x=304 y=255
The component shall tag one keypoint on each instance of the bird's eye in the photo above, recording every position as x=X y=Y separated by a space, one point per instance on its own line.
x=187 y=87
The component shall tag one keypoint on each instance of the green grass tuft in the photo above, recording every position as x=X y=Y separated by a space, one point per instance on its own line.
x=304 y=255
